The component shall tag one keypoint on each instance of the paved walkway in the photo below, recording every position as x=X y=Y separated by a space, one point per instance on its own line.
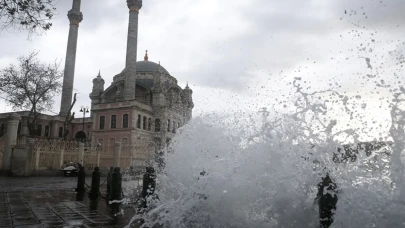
x=51 y=202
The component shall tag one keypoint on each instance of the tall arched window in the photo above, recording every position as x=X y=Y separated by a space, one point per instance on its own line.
x=46 y=131
x=157 y=125
x=138 y=123
x=102 y=122
x=113 y=121
x=174 y=127
x=125 y=121
x=168 y=125
x=144 y=122
x=149 y=124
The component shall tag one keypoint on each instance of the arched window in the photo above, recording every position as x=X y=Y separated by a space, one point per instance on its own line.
x=102 y=122
x=113 y=121
x=174 y=127
x=149 y=124
x=138 y=123
x=39 y=129
x=144 y=122
x=168 y=125
x=60 y=132
x=157 y=125
x=125 y=121
x=46 y=131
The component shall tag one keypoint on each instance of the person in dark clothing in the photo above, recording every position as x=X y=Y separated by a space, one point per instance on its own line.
x=327 y=200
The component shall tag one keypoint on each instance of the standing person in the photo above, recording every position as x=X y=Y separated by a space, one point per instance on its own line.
x=327 y=200
x=109 y=180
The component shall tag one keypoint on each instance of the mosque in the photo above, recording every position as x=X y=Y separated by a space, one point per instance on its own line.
x=143 y=106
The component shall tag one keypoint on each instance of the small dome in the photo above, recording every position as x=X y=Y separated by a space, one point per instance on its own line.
x=148 y=67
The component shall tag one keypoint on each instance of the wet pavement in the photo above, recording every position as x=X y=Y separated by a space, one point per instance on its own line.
x=39 y=202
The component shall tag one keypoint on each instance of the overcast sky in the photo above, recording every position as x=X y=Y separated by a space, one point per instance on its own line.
x=235 y=53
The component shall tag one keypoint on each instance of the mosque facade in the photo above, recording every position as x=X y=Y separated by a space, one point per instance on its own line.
x=143 y=106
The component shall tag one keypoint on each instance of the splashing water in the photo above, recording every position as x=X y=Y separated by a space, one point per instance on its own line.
x=227 y=172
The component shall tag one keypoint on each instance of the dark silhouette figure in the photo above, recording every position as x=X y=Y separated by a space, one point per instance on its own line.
x=149 y=185
x=81 y=178
x=95 y=182
x=116 y=186
x=327 y=200
x=109 y=180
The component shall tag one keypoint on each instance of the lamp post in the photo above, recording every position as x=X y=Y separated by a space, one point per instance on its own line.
x=84 y=110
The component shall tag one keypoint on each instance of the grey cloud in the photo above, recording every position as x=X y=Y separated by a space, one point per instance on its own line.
x=280 y=35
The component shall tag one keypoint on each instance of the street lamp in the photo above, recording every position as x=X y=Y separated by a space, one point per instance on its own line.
x=84 y=110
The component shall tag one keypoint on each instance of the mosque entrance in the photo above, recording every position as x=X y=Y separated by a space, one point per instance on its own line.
x=80 y=136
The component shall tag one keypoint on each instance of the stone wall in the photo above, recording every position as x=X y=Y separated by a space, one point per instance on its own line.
x=32 y=155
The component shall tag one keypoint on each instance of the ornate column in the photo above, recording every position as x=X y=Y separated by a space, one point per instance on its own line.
x=12 y=127
x=132 y=41
x=75 y=17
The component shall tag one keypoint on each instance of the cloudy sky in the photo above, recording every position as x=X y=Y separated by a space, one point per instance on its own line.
x=237 y=53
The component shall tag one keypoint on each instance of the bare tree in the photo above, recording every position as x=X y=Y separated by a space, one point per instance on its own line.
x=31 y=85
x=31 y=15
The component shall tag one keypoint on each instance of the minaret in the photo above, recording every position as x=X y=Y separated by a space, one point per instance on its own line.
x=98 y=88
x=75 y=17
x=132 y=41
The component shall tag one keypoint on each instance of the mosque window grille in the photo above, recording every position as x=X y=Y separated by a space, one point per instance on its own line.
x=149 y=124
x=125 y=121
x=138 y=123
x=46 y=131
x=144 y=122
x=157 y=125
x=168 y=125
x=102 y=122
x=113 y=121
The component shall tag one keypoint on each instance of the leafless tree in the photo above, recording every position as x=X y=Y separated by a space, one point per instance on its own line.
x=33 y=16
x=31 y=85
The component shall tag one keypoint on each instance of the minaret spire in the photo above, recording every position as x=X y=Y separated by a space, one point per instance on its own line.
x=146 y=58
x=132 y=41
x=75 y=17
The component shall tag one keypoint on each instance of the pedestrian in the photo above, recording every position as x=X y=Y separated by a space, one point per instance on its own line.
x=327 y=199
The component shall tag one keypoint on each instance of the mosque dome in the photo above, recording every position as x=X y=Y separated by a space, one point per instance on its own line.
x=147 y=66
